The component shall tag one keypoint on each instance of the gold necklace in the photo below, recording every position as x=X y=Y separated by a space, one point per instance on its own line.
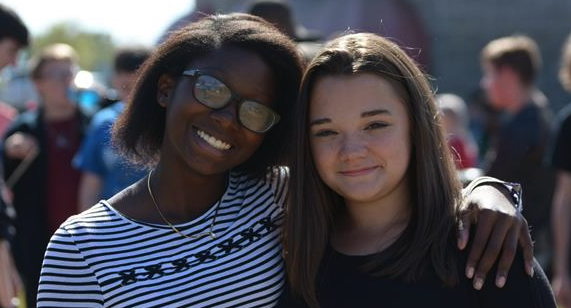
x=192 y=237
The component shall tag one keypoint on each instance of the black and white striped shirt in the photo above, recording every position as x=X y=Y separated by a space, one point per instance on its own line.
x=100 y=258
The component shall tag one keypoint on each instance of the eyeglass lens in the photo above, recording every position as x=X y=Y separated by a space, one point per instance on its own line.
x=215 y=94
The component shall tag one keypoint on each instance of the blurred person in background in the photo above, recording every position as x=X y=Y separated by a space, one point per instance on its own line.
x=280 y=14
x=104 y=171
x=510 y=65
x=456 y=122
x=561 y=215
x=484 y=121
x=14 y=36
x=37 y=154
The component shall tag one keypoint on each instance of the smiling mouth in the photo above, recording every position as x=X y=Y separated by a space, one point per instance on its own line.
x=213 y=142
x=357 y=172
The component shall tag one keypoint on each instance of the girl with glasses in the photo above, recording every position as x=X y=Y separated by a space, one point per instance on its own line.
x=208 y=116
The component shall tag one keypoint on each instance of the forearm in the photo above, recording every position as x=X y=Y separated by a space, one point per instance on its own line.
x=90 y=187
x=493 y=194
x=10 y=284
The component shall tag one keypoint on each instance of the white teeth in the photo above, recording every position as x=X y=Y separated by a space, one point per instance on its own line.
x=215 y=143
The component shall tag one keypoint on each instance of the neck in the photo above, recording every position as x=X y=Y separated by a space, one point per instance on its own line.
x=367 y=228
x=185 y=196
x=519 y=100
x=58 y=112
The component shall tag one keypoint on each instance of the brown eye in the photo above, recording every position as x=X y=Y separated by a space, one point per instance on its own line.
x=256 y=116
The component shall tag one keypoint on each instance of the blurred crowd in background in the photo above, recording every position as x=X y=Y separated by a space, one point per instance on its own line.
x=495 y=67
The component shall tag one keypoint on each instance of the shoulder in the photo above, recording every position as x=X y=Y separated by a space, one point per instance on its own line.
x=99 y=215
x=273 y=183
x=28 y=122
x=278 y=178
x=110 y=112
x=520 y=289
x=278 y=174
x=71 y=238
x=105 y=117
x=564 y=117
x=27 y=118
x=274 y=176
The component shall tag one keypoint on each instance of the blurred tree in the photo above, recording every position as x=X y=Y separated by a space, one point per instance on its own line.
x=95 y=50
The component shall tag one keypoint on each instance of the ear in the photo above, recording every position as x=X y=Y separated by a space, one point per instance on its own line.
x=165 y=89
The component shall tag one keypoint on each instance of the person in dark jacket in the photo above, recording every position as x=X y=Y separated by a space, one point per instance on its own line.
x=37 y=154
x=14 y=36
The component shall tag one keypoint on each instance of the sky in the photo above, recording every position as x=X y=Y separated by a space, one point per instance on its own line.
x=129 y=22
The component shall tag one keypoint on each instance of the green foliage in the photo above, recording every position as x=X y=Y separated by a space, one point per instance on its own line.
x=95 y=50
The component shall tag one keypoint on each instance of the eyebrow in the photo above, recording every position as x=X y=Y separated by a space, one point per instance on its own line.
x=365 y=114
x=374 y=113
x=265 y=97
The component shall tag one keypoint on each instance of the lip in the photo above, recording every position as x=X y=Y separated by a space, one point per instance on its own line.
x=358 y=171
x=204 y=144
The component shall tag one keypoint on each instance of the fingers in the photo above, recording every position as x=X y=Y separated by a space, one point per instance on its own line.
x=508 y=254
x=526 y=245
x=464 y=225
x=492 y=251
x=483 y=231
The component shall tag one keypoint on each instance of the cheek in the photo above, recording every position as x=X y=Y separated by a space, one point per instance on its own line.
x=249 y=143
x=397 y=149
x=495 y=96
x=254 y=140
x=323 y=158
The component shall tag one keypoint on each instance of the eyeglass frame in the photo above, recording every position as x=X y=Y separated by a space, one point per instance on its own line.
x=196 y=73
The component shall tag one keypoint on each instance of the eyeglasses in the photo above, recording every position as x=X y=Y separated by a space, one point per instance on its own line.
x=59 y=74
x=213 y=93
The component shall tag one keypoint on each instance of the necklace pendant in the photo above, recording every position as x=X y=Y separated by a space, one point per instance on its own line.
x=201 y=235
x=61 y=142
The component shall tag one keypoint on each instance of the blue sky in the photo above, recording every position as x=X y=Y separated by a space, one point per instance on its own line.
x=129 y=22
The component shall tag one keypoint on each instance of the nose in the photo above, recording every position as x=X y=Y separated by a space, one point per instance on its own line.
x=352 y=148
x=227 y=117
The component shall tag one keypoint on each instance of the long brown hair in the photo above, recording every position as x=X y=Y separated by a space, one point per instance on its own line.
x=433 y=184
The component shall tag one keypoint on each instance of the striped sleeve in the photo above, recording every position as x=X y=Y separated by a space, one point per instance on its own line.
x=66 y=279
x=279 y=179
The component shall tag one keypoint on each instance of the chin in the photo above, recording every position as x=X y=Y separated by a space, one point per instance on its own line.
x=357 y=195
